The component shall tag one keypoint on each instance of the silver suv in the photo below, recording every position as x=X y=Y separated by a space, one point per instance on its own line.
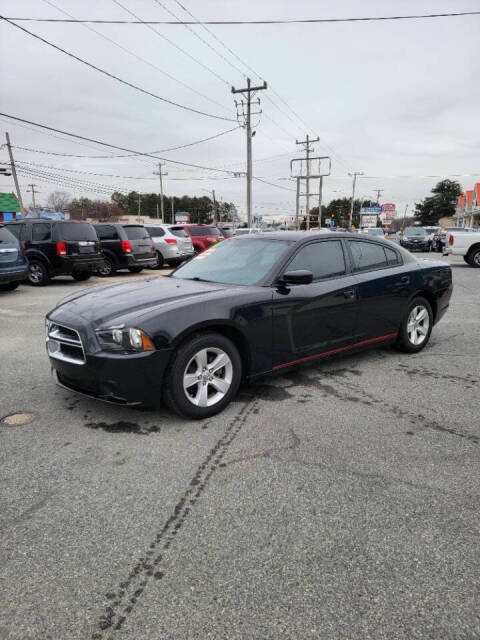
x=172 y=242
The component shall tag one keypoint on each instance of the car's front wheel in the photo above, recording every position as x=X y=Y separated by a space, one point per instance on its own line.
x=474 y=258
x=416 y=327
x=38 y=275
x=203 y=377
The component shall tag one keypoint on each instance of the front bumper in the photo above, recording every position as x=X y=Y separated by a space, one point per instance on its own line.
x=13 y=274
x=419 y=246
x=129 y=380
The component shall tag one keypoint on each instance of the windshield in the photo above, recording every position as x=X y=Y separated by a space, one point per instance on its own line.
x=77 y=231
x=136 y=233
x=204 y=231
x=243 y=261
x=431 y=229
x=415 y=231
x=6 y=236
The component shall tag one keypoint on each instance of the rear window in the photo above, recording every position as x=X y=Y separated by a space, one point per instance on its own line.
x=76 y=231
x=155 y=232
x=6 y=236
x=106 y=232
x=204 y=231
x=179 y=232
x=136 y=233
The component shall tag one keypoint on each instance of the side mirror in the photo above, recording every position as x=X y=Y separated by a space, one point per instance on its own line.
x=302 y=276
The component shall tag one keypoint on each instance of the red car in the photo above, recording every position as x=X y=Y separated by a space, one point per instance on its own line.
x=203 y=236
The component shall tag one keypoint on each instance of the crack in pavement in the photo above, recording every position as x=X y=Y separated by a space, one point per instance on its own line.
x=121 y=601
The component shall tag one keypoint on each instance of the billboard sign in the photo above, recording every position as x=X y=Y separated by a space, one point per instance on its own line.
x=370 y=209
x=389 y=207
x=368 y=220
x=182 y=217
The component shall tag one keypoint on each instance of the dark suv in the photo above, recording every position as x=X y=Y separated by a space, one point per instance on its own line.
x=58 y=248
x=125 y=246
x=13 y=263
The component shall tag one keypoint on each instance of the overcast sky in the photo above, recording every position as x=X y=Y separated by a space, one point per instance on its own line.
x=389 y=98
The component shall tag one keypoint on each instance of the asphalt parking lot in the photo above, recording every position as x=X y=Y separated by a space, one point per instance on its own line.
x=340 y=501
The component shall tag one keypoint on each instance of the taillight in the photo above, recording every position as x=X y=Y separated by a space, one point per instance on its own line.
x=24 y=249
x=450 y=240
x=126 y=246
x=170 y=241
x=61 y=249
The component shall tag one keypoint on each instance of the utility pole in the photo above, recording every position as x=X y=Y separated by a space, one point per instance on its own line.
x=404 y=216
x=214 y=207
x=14 y=171
x=308 y=150
x=248 y=94
x=378 y=192
x=320 y=194
x=139 y=205
x=160 y=175
x=350 y=218
x=173 y=214
x=32 y=191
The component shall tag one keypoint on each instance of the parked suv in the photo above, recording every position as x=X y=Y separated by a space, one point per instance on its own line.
x=58 y=248
x=125 y=246
x=203 y=236
x=13 y=263
x=172 y=243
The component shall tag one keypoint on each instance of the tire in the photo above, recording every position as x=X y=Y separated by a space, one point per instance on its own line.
x=38 y=275
x=135 y=269
x=81 y=276
x=415 y=330
x=10 y=286
x=109 y=268
x=473 y=258
x=465 y=259
x=160 y=261
x=197 y=400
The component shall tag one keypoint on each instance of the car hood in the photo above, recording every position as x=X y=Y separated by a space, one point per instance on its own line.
x=103 y=305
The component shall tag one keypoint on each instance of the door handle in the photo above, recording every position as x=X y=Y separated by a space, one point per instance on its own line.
x=349 y=293
x=405 y=279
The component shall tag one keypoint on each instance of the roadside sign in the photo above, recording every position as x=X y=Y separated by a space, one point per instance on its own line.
x=368 y=220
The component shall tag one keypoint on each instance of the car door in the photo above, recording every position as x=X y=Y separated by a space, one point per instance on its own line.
x=41 y=242
x=315 y=319
x=384 y=285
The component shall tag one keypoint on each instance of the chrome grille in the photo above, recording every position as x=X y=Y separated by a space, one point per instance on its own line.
x=64 y=343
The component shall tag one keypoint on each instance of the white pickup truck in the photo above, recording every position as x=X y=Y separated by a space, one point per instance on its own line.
x=464 y=244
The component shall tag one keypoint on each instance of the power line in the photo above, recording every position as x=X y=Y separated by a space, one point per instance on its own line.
x=113 y=146
x=174 y=44
x=128 y=155
x=135 y=55
x=253 y=22
x=87 y=173
x=114 y=77
x=273 y=185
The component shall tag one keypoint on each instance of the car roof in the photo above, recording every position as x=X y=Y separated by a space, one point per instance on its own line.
x=298 y=236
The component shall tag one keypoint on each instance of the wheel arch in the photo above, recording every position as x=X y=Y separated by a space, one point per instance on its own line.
x=111 y=255
x=230 y=331
x=430 y=296
x=472 y=248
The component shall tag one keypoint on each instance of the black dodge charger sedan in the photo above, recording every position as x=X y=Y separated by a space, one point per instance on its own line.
x=252 y=305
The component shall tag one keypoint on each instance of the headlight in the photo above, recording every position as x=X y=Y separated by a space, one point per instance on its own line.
x=124 y=339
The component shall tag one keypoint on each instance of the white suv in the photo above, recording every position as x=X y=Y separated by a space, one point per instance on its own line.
x=172 y=242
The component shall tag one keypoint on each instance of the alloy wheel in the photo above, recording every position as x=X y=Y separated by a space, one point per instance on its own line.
x=35 y=273
x=208 y=377
x=106 y=268
x=417 y=325
x=476 y=259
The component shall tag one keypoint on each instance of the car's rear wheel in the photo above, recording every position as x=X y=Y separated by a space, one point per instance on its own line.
x=81 y=276
x=108 y=268
x=203 y=377
x=38 y=273
x=416 y=327
x=473 y=258
x=10 y=286
x=135 y=269
x=160 y=262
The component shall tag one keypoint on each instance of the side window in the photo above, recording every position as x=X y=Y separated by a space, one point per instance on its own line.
x=392 y=256
x=17 y=230
x=41 y=231
x=155 y=232
x=324 y=259
x=106 y=232
x=367 y=255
